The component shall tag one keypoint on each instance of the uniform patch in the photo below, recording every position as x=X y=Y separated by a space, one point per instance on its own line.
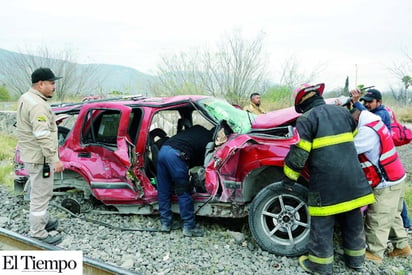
x=41 y=118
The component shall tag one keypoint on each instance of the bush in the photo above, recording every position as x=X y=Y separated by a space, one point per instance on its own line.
x=277 y=97
x=7 y=146
x=4 y=93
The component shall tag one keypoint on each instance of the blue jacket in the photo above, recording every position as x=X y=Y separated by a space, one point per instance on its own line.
x=380 y=111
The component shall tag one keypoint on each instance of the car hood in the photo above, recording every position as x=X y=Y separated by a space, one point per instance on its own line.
x=275 y=118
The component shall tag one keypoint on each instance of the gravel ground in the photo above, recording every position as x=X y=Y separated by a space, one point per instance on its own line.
x=226 y=248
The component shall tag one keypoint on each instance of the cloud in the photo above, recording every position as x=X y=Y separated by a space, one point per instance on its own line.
x=136 y=33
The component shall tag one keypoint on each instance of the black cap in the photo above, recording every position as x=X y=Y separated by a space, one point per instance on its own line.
x=372 y=94
x=42 y=74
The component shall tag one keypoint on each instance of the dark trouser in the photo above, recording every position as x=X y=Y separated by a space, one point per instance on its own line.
x=172 y=171
x=405 y=217
x=321 y=240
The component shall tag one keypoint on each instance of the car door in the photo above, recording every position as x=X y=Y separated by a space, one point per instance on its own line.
x=101 y=149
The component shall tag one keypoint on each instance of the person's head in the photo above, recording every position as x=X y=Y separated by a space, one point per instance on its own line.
x=43 y=80
x=355 y=114
x=372 y=99
x=255 y=98
x=304 y=92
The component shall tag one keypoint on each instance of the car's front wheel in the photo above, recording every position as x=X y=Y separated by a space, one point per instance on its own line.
x=279 y=219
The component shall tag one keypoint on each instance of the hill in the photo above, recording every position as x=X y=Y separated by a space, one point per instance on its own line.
x=110 y=77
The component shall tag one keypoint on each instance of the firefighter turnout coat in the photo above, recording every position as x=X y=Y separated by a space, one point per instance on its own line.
x=337 y=183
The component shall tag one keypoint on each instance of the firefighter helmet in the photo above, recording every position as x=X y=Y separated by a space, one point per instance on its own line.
x=304 y=89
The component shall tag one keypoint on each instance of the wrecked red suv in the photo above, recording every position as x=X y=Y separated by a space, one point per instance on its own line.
x=110 y=148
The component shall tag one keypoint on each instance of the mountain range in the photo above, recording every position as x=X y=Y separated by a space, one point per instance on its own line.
x=110 y=77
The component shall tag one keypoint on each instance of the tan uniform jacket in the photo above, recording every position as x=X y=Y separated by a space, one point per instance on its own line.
x=254 y=109
x=36 y=129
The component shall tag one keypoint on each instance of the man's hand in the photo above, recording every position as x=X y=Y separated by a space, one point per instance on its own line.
x=355 y=94
x=58 y=167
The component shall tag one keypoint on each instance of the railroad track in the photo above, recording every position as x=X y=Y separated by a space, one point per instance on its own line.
x=12 y=241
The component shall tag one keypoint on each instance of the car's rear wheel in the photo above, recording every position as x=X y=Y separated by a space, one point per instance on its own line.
x=279 y=219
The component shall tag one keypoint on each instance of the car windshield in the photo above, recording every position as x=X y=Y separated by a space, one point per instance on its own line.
x=240 y=121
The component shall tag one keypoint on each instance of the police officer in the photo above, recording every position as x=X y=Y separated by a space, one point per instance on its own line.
x=38 y=144
x=337 y=185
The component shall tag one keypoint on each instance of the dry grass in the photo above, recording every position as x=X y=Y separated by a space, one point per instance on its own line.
x=403 y=114
x=7 y=146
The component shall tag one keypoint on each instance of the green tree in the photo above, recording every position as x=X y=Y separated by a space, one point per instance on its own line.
x=407 y=81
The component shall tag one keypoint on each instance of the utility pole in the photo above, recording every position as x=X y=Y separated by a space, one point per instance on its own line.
x=356 y=75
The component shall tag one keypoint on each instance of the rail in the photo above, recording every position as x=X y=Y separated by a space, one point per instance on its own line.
x=10 y=240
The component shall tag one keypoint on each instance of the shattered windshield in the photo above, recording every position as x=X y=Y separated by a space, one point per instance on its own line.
x=240 y=121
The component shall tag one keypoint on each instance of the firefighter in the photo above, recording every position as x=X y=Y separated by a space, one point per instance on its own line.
x=337 y=186
x=386 y=175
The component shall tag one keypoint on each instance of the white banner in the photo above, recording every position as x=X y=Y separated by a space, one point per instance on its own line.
x=41 y=262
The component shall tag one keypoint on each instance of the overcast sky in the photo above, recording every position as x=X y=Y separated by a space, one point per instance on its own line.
x=342 y=37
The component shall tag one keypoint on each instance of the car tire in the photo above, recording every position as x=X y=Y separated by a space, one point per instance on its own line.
x=279 y=219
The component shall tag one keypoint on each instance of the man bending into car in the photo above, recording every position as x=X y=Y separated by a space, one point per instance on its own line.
x=177 y=155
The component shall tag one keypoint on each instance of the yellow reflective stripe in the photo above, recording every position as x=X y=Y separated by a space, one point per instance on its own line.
x=290 y=173
x=332 y=140
x=341 y=207
x=304 y=145
x=319 y=260
x=354 y=253
x=355 y=132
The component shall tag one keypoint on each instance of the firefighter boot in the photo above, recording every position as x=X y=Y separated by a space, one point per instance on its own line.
x=353 y=262
x=306 y=265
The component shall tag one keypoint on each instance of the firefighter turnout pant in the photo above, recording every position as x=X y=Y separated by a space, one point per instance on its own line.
x=320 y=246
x=41 y=191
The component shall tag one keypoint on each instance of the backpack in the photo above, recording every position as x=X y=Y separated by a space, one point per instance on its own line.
x=401 y=134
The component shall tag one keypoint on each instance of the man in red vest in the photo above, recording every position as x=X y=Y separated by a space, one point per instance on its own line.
x=385 y=173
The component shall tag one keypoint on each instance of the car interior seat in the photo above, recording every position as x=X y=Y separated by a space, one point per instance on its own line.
x=157 y=137
x=183 y=124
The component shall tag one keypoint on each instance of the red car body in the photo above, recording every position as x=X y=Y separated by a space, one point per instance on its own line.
x=109 y=149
